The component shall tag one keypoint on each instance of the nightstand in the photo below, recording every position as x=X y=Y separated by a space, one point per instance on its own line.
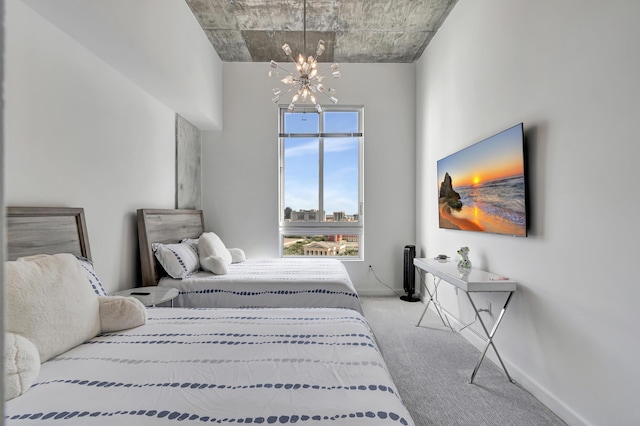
x=150 y=296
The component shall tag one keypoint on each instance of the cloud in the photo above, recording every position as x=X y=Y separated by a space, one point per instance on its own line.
x=308 y=148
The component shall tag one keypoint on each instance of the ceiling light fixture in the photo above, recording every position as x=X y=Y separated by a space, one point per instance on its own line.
x=306 y=80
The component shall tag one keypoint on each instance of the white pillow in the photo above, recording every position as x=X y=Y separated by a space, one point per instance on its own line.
x=237 y=255
x=214 y=264
x=50 y=303
x=179 y=260
x=87 y=267
x=210 y=244
x=121 y=313
x=21 y=365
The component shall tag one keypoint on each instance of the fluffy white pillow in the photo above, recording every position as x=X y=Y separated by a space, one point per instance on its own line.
x=179 y=260
x=87 y=267
x=121 y=313
x=21 y=365
x=50 y=303
x=210 y=244
x=214 y=264
x=237 y=255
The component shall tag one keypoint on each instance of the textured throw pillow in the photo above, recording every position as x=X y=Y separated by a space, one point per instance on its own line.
x=121 y=313
x=21 y=365
x=50 y=303
x=210 y=244
x=87 y=267
x=179 y=260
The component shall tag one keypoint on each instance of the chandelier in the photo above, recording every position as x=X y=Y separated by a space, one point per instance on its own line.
x=306 y=80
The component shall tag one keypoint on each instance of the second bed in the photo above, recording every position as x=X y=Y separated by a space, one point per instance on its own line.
x=254 y=283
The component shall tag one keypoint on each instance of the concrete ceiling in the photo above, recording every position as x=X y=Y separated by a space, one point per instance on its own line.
x=361 y=31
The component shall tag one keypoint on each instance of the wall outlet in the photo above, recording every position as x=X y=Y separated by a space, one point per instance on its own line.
x=489 y=307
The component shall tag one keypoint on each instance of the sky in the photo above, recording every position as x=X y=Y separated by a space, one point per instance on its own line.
x=301 y=180
x=496 y=157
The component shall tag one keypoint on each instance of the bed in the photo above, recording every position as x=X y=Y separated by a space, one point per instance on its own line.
x=258 y=366
x=273 y=282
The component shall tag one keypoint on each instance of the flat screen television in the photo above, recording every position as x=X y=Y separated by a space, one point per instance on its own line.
x=483 y=187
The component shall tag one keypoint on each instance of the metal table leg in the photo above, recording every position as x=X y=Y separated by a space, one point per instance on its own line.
x=490 y=336
x=432 y=298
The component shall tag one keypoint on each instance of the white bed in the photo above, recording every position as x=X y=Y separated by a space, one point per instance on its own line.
x=257 y=366
x=273 y=282
x=269 y=283
x=317 y=366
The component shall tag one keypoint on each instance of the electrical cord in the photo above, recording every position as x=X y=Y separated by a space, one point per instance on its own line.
x=386 y=285
x=435 y=294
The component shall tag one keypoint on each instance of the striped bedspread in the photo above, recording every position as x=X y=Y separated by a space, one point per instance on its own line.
x=221 y=366
x=272 y=283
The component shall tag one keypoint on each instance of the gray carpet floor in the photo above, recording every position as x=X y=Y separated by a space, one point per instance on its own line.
x=431 y=367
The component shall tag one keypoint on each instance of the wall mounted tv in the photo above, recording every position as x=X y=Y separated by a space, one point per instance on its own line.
x=482 y=188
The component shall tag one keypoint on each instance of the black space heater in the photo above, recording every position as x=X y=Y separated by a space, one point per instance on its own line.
x=409 y=282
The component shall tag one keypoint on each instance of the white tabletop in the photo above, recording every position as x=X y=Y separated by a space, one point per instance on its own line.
x=150 y=296
x=476 y=280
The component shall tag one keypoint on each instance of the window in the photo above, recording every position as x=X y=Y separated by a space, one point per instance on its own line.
x=321 y=209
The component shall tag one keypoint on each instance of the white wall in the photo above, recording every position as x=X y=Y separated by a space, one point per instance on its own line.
x=157 y=44
x=2 y=207
x=240 y=165
x=569 y=71
x=80 y=133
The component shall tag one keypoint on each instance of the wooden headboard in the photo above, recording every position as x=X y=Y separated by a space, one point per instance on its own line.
x=164 y=226
x=46 y=230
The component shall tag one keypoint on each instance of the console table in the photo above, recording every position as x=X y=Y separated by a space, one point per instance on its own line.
x=475 y=280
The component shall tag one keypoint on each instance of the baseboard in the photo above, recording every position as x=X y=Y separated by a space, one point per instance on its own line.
x=525 y=381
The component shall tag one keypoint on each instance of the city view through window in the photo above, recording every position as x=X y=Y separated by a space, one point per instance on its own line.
x=320 y=181
x=320 y=245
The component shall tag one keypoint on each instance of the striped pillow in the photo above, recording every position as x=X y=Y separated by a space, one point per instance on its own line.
x=179 y=260
x=193 y=242
x=96 y=284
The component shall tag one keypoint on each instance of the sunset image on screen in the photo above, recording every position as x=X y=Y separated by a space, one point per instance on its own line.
x=482 y=187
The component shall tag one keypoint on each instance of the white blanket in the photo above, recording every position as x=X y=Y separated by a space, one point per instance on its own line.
x=277 y=282
x=307 y=366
